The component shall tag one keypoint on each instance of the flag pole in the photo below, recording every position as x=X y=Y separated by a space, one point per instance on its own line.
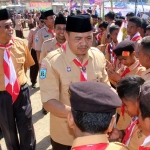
x=103 y=11
x=111 y=2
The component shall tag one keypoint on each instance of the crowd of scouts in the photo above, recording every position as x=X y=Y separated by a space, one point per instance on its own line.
x=96 y=89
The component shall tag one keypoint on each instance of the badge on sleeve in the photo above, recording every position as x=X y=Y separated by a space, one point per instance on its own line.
x=43 y=72
x=36 y=39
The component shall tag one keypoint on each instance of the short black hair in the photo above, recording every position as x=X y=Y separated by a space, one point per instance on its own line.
x=111 y=15
x=129 y=87
x=103 y=24
x=108 y=35
x=145 y=111
x=118 y=22
x=136 y=20
x=100 y=18
x=145 y=43
x=130 y=14
x=113 y=28
x=144 y=24
x=92 y=122
x=148 y=27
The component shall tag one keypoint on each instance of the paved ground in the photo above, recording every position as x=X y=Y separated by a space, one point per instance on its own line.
x=40 y=121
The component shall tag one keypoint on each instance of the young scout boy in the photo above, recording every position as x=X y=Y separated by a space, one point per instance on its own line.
x=128 y=90
x=46 y=32
x=77 y=62
x=144 y=114
x=125 y=53
x=144 y=57
x=133 y=28
x=56 y=42
x=92 y=116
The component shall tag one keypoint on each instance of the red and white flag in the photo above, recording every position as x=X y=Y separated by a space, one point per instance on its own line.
x=11 y=82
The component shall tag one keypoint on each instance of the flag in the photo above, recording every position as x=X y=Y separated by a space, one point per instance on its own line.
x=74 y=6
x=70 y=3
x=91 y=1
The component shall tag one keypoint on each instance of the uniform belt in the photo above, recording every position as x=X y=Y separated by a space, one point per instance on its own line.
x=22 y=87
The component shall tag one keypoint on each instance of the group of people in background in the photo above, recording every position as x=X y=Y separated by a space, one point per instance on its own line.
x=94 y=79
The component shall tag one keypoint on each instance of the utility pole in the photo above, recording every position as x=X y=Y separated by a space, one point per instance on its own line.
x=136 y=4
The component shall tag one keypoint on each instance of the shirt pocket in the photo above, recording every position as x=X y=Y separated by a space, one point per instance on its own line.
x=20 y=65
x=95 y=76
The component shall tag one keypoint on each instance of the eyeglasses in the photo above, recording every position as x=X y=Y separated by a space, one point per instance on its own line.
x=8 y=26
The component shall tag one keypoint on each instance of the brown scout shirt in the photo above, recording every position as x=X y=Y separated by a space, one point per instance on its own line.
x=41 y=36
x=146 y=75
x=123 y=122
x=97 y=139
x=31 y=37
x=21 y=59
x=61 y=71
x=48 y=46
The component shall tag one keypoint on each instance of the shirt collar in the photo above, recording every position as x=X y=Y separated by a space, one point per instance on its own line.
x=91 y=139
x=55 y=41
x=134 y=65
x=72 y=56
x=46 y=28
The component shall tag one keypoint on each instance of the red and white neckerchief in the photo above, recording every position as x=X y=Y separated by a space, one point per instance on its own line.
x=127 y=70
x=51 y=31
x=83 y=74
x=146 y=141
x=136 y=37
x=129 y=131
x=11 y=82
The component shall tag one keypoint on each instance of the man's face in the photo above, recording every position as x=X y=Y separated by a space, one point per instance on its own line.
x=143 y=58
x=79 y=43
x=132 y=108
x=59 y=30
x=127 y=60
x=114 y=35
x=6 y=29
x=50 y=20
x=132 y=29
x=147 y=33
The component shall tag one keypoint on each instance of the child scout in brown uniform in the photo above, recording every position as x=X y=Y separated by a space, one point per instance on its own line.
x=15 y=107
x=56 y=42
x=144 y=114
x=31 y=45
x=124 y=51
x=128 y=90
x=46 y=32
x=78 y=61
x=144 y=57
x=92 y=116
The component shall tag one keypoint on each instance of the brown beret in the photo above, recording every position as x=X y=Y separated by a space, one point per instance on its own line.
x=93 y=97
x=124 y=46
x=145 y=94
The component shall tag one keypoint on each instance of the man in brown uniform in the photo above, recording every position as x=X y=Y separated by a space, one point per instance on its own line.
x=78 y=61
x=46 y=32
x=31 y=45
x=15 y=107
x=56 y=42
x=98 y=106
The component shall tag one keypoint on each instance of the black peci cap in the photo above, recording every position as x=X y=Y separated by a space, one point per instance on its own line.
x=60 y=19
x=47 y=13
x=4 y=14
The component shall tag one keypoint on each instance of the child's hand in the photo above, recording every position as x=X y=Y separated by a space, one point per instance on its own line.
x=113 y=75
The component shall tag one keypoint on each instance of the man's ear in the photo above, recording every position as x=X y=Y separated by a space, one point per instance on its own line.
x=66 y=35
x=111 y=125
x=70 y=120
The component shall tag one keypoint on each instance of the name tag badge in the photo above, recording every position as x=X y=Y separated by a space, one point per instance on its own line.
x=45 y=36
x=36 y=39
x=43 y=72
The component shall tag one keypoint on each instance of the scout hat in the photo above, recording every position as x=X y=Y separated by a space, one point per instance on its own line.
x=79 y=23
x=124 y=48
x=60 y=19
x=4 y=14
x=93 y=97
x=47 y=13
x=144 y=94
